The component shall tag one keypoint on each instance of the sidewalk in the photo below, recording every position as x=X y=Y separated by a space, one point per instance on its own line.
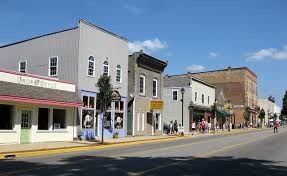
x=35 y=149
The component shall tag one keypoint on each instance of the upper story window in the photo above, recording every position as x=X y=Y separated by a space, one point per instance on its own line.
x=175 y=95
x=106 y=68
x=91 y=66
x=53 y=66
x=119 y=74
x=195 y=96
x=142 y=84
x=208 y=99
x=154 y=88
x=202 y=98
x=23 y=66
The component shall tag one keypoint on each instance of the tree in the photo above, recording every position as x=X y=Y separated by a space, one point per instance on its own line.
x=104 y=97
x=284 y=106
x=275 y=116
x=247 y=115
x=261 y=115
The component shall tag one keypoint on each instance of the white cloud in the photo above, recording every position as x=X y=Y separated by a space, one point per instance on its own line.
x=195 y=68
x=268 y=53
x=212 y=55
x=147 y=46
x=133 y=9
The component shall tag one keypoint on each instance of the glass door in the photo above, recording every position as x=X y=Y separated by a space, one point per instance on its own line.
x=26 y=117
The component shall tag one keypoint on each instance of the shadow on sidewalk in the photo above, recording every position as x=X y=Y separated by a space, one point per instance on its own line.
x=175 y=166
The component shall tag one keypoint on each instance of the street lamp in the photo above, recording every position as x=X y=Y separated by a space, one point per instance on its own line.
x=182 y=93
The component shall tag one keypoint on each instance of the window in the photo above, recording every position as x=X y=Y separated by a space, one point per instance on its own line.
x=91 y=66
x=208 y=99
x=119 y=120
x=89 y=102
x=53 y=66
x=175 y=95
x=142 y=84
x=119 y=74
x=43 y=119
x=119 y=106
x=157 y=121
x=154 y=88
x=107 y=121
x=6 y=119
x=202 y=98
x=195 y=96
x=106 y=68
x=59 y=118
x=143 y=121
x=87 y=119
x=22 y=66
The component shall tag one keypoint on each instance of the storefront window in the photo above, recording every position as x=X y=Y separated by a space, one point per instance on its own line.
x=6 y=119
x=43 y=119
x=119 y=120
x=59 y=118
x=87 y=119
x=107 y=121
x=119 y=106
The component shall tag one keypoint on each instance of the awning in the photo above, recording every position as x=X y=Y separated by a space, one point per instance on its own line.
x=222 y=114
x=37 y=95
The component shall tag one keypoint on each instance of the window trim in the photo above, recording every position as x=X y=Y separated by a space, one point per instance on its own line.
x=94 y=66
x=176 y=95
x=156 y=87
x=57 y=67
x=121 y=71
x=21 y=61
x=142 y=76
x=104 y=65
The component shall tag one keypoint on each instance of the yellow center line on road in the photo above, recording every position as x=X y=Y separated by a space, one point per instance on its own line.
x=201 y=155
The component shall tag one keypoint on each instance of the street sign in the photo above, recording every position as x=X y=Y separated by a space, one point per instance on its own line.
x=156 y=104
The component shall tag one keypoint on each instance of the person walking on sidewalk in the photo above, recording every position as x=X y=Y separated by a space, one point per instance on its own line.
x=203 y=126
x=275 y=127
x=175 y=126
x=171 y=127
x=193 y=126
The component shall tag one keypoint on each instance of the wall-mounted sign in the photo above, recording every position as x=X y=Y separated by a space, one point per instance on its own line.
x=156 y=104
x=238 y=106
x=36 y=81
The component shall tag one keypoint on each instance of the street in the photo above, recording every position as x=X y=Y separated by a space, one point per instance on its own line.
x=250 y=153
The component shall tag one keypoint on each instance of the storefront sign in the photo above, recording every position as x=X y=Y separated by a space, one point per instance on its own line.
x=156 y=104
x=238 y=106
x=37 y=81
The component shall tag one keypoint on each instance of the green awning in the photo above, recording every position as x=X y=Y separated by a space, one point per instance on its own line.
x=222 y=114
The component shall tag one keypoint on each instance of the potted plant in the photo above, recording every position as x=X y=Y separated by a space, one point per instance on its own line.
x=116 y=135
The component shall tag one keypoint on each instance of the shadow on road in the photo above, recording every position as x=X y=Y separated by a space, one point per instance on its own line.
x=177 y=166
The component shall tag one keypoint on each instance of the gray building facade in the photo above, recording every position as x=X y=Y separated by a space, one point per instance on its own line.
x=145 y=90
x=78 y=55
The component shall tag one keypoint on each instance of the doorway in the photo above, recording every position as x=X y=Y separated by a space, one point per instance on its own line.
x=25 y=134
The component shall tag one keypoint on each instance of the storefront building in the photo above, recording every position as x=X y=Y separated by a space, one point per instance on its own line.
x=145 y=90
x=36 y=109
x=197 y=100
x=79 y=55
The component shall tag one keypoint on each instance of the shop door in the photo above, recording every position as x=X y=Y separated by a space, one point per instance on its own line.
x=150 y=128
x=26 y=117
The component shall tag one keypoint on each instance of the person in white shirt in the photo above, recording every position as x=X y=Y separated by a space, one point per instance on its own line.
x=193 y=126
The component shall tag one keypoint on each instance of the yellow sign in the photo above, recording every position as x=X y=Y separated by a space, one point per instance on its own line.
x=156 y=104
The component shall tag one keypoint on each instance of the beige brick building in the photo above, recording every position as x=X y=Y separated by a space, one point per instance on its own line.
x=239 y=86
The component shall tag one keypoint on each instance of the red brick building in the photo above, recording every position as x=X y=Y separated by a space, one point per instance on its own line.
x=239 y=86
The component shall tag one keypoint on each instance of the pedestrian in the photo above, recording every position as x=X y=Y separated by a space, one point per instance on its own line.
x=209 y=127
x=171 y=127
x=203 y=126
x=193 y=126
x=275 y=127
x=175 y=126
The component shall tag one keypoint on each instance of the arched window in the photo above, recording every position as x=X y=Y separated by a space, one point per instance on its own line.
x=119 y=74
x=105 y=68
x=91 y=66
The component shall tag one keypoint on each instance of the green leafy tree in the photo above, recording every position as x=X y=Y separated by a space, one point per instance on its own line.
x=284 y=107
x=246 y=115
x=104 y=97
x=261 y=115
x=275 y=116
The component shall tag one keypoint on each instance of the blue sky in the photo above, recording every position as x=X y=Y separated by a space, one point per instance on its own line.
x=192 y=35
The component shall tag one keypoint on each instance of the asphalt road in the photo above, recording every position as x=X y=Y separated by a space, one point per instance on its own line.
x=259 y=153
